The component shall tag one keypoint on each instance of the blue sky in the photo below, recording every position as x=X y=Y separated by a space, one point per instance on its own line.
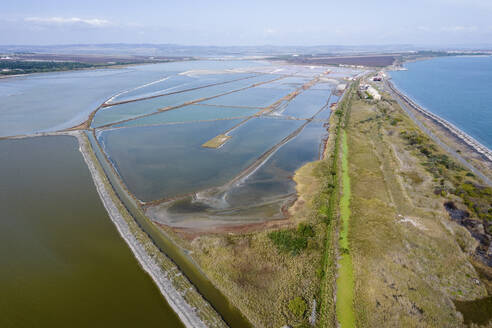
x=252 y=22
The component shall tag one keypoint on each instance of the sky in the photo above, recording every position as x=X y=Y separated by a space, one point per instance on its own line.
x=251 y=22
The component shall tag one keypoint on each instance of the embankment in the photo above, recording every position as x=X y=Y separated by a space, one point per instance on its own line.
x=190 y=306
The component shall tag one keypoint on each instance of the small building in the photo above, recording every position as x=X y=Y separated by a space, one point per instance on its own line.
x=341 y=87
x=373 y=93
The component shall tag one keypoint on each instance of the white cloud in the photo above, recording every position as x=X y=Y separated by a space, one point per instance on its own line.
x=92 y=22
x=459 y=28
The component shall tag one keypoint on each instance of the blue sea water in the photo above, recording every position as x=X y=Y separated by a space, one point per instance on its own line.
x=458 y=89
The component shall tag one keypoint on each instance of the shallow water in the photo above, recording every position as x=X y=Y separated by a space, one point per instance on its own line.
x=254 y=97
x=191 y=113
x=133 y=109
x=63 y=262
x=258 y=197
x=54 y=101
x=326 y=113
x=274 y=178
x=307 y=104
x=169 y=160
x=455 y=88
x=177 y=83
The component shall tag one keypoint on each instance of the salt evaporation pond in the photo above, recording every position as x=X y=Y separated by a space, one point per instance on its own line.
x=53 y=101
x=253 y=97
x=63 y=262
x=307 y=104
x=131 y=110
x=258 y=197
x=178 y=83
x=165 y=161
x=191 y=113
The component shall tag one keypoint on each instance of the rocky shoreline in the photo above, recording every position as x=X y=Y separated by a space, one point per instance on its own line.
x=473 y=143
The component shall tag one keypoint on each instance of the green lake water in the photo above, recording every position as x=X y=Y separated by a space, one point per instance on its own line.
x=63 y=262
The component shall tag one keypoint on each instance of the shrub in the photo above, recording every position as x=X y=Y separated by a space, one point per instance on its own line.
x=288 y=241
x=305 y=230
x=292 y=241
x=298 y=306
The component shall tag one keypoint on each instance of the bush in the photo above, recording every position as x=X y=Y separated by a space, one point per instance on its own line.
x=298 y=306
x=292 y=241
x=305 y=230
x=288 y=241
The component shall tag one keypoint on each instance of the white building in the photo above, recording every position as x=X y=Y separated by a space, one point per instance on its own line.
x=373 y=93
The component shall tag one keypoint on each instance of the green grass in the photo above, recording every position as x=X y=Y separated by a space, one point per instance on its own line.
x=345 y=280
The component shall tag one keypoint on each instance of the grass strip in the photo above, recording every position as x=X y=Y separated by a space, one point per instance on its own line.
x=345 y=280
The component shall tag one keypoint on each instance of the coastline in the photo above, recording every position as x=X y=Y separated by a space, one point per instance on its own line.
x=472 y=142
x=483 y=152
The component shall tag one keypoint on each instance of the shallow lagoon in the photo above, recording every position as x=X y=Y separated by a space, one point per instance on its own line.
x=63 y=262
x=169 y=160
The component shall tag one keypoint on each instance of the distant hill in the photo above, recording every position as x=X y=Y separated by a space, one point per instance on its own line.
x=201 y=51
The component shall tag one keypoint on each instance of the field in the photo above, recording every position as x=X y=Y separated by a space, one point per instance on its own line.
x=370 y=60
x=410 y=260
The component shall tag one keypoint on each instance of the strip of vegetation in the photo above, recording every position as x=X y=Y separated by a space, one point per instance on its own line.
x=26 y=67
x=345 y=281
x=14 y=67
x=326 y=205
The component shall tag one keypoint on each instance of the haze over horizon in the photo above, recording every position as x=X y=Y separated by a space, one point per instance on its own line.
x=221 y=23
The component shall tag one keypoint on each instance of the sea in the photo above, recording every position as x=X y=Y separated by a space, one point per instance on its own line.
x=458 y=89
